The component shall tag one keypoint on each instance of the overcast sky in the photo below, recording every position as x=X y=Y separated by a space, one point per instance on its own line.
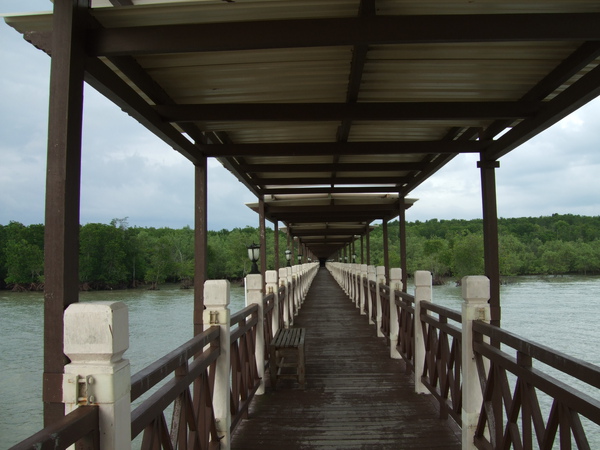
x=127 y=172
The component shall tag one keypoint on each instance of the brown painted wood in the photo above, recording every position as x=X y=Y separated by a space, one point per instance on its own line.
x=356 y=397
x=201 y=243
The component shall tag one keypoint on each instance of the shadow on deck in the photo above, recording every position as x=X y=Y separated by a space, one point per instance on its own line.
x=356 y=397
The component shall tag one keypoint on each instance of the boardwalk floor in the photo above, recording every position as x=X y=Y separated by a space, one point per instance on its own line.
x=356 y=397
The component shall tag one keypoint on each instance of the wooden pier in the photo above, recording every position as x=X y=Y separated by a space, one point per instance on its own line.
x=356 y=396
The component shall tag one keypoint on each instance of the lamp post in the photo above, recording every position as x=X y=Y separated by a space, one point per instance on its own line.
x=253 y=254
x=299 y=258
x=288 y=257
x=354 y=258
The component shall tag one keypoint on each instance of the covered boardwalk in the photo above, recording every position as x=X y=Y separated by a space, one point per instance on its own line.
x=332 y=112
x=356 y=396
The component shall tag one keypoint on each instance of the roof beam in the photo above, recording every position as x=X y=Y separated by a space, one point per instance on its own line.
x=344 y=148
x=582 y=91
x=282 y=190
x=346 y=111
x=374 y=30
x=327 y=180
x=340 y=167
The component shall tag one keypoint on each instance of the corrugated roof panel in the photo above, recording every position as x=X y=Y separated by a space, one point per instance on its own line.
x=426 y=7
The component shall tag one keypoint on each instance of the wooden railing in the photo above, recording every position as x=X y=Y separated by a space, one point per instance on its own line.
x=191 y=424
x=514 y=414
x=441 y=372
x=78 y=427
x=405 y=307
x=384 y=296
x=244 y=372
x=373 y=296
x=519 y=406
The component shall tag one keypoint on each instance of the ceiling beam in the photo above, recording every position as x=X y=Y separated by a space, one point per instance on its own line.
x=346 y=111
x=342 y=148
x=374 y=30
x=326 y=180
x=581 y=92
x=330 y=167
x=283 y=190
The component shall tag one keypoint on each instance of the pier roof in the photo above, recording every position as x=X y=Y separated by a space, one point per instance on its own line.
x=325 y=97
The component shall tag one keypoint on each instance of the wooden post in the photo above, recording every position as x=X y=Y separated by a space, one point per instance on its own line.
x=490 y=235
x=276 y=243
x=368 y=236
x=96 y=336
x=200 y=242
x=63 y=174
x=263 y=237
x=476 y=293
x=363 y=297
x=216 y=299
x=362 y=253
x=402 y=226
x=395 y=285
x=423 y=289
x=386 y=250
x=254 y=294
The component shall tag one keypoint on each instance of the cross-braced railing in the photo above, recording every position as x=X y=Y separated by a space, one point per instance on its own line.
x=192 y=424
x=513 y=413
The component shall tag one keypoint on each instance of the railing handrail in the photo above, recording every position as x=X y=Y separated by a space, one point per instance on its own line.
x=405 y=296
x=77 y=425
x=441 y=311
x=243 y=313
x=145 y=413
x=575 y=367
x=146 y=378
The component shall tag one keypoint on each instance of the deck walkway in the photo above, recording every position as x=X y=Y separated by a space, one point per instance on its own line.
x=356 y=397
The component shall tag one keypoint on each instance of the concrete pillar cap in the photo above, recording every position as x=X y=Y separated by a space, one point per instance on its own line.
x=475 y=288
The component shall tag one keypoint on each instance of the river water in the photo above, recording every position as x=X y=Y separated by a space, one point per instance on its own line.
x=560 y=312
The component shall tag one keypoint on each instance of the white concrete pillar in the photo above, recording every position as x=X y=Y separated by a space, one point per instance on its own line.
x=423 y=291
x=291 y=298
x=362 y=299
x=476 y=293
x=286 y=304
x=380 y=273
x=272 y=287
x=395 y=285
x=217 y=313
x=371 y=277
x=96 y=335
x=254 y=294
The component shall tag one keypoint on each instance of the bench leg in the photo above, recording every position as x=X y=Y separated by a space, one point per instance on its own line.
x=301 y=371
x=273 y=367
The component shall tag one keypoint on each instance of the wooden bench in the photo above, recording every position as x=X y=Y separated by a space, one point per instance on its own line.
x=287 y=350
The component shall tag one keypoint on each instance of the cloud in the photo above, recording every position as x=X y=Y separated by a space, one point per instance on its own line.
x=128 y=172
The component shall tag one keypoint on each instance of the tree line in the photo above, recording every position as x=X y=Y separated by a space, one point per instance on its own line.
x=116 y=255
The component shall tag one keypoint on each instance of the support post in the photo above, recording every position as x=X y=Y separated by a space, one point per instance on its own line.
x=263 y=237
x=368 y=239
x=395 y=285
x=476 y=293
x=200 y=242
x=216 y=299
x=96 y=335
x=423 y=290
x=254 y=294
x=490 y=234
x=276 y=243
x=386 y=250
x=63 y=174
x=371 y=277
x=402 y=231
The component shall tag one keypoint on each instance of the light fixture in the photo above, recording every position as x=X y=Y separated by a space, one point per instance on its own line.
x=354 y=258
x=345 y=259
x=288 y=257
x=253 y=254
x=299 y=258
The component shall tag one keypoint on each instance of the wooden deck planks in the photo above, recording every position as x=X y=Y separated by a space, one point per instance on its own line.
x=356 y=397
